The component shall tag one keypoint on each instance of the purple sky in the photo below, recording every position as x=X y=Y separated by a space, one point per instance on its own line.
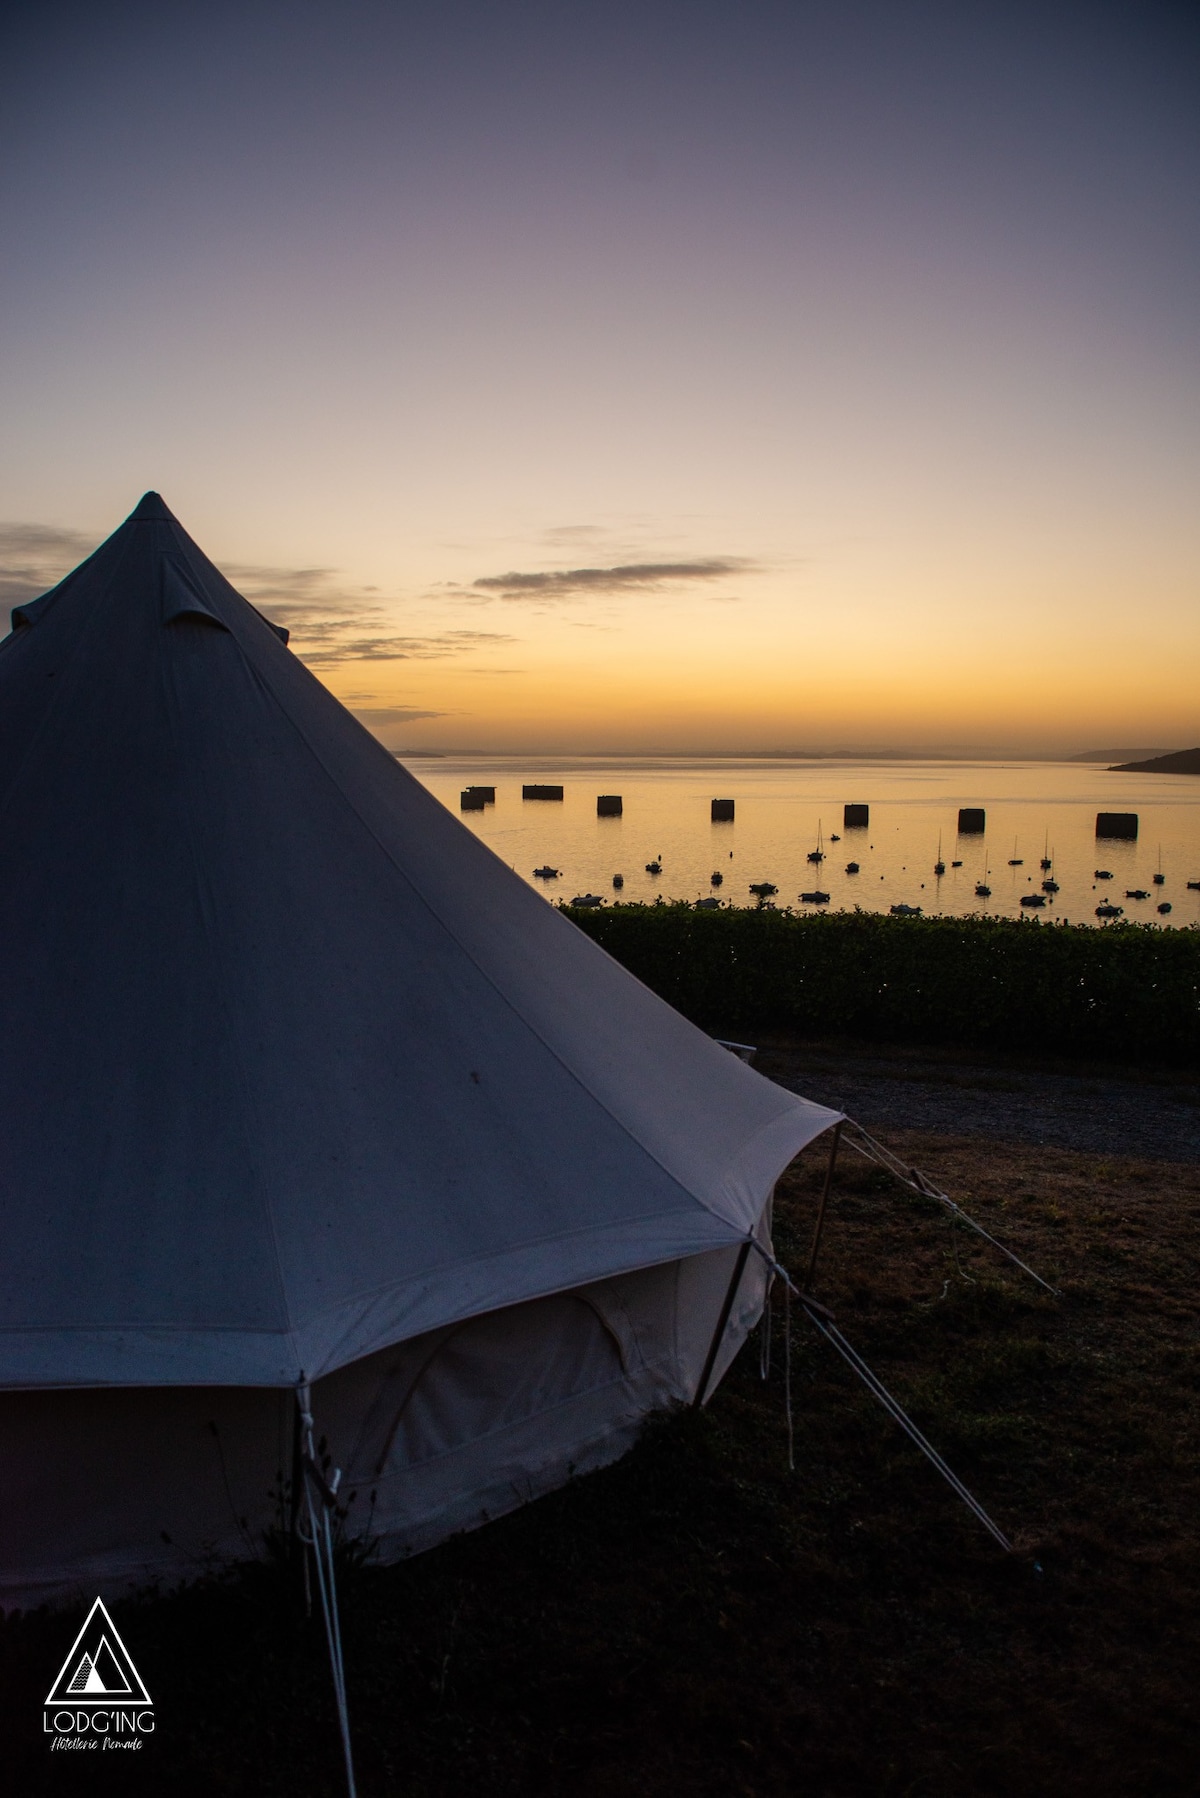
x=870 y=332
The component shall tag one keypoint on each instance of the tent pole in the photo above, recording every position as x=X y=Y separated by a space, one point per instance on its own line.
x=820 y=1225
x=320 y=1540
x=739 y=1268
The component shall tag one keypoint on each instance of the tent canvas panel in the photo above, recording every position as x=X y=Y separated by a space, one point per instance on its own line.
x=105 y=1489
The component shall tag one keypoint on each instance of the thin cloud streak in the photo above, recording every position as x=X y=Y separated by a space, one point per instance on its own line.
x=625 y=577
x=380 y=717
x=35 y=557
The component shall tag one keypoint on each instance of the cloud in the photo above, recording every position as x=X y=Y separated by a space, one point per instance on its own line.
x=380 y=717
x=573 y=533
x=34 y=557
x=331 y=625
x=330 y=642
x=625 y=577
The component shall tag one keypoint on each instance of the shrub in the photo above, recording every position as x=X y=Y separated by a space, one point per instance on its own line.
x=1128 y=992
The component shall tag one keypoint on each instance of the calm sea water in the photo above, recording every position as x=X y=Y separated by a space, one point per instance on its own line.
x=781 y=807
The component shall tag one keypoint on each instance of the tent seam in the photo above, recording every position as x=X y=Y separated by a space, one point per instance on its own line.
x=737 y=1234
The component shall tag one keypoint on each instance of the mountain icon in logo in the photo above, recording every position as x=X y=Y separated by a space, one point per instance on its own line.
x=98 y=1666
x=99 y=1673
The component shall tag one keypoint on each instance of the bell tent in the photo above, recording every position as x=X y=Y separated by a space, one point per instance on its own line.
x=302 y=1085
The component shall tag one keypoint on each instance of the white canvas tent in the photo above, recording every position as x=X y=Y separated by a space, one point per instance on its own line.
x=300 y=1082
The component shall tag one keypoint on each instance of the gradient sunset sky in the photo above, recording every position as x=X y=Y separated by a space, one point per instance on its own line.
x=624 y=376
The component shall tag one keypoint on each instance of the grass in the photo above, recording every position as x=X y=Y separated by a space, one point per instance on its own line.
x=698 y=1620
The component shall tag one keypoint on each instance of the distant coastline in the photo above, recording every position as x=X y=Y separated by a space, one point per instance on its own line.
x=1128 y=752
x=1180 y=761
x=984 y=753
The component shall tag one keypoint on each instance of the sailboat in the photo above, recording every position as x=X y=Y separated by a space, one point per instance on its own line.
x=982 y=889
x=817 y=854
x=1159 y=878
x=1015 y=860
x=939 y=866
x=1047 y=859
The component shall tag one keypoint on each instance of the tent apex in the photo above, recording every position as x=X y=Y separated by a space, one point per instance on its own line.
x=150 y=507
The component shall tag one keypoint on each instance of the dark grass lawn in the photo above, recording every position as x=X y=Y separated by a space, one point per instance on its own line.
x=698 y=1620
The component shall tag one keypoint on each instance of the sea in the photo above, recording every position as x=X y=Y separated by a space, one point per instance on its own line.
x=786 y=811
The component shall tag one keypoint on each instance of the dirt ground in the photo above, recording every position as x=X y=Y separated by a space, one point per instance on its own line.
x=1015 y=1098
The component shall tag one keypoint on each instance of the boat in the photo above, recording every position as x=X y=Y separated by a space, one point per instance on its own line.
x=1047 y=858
x=1193 y=886
x=654 y=867
x=1049 y=886
x=815 y=898
x=1102 y=874
x=618 y=880
x=939 y=866
x=1136 y=893
x=956 y=864
x=852 y=867
x=834 y=837
x=906 y=911
x=1109 y=911
x=708 y=905
x=981 y=891
x=715 y=878
x=1032 y=899
x=1158 y=877
x=587 y=900
x=763 y=889
x=1015 y=860
x=817 y=854
x=1165 y=907
x=546 y=873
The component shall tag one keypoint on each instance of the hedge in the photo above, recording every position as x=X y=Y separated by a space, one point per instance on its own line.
x=1127 y=992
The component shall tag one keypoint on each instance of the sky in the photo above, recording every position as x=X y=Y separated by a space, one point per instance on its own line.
x=593 y=377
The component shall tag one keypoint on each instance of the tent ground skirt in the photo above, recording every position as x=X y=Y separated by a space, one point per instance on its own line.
x=106 y=1489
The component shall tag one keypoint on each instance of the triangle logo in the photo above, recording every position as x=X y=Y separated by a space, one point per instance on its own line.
x=98 y=1666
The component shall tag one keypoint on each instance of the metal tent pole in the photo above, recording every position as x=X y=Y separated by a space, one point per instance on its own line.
x=739 y=1268
x=319 y=1491
x=825 y=1190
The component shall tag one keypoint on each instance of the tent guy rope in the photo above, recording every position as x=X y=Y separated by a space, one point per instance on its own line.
x=863 y=1144
x=823 y=1321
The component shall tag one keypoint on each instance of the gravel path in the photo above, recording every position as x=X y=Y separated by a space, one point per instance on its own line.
x=1128 y=1113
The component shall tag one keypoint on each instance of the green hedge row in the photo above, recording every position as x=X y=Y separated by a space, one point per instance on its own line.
x=1128 y=992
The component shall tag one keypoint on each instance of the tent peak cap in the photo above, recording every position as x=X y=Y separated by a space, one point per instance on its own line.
x=151 y=508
